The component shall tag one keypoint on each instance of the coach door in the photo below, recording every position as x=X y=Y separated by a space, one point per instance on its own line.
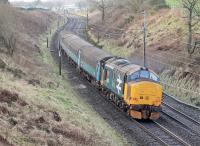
x=79 y=59
x=108 y=77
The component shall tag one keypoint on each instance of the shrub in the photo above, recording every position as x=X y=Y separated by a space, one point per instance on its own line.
x=2 y=64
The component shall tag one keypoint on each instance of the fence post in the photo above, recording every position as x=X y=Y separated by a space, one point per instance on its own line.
x=98 y=37
x=60 y=58
x=47 y=42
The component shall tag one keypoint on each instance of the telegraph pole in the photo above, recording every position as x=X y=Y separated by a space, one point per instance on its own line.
x=47 y=33
x=87 y=23
x=98 y=37
x=57 y=23
x=145 y=36
x=87 y=19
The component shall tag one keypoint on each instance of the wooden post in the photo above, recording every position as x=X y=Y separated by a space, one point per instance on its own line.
x=98 y=37
x=60 y=58
x=47 y=42
x=87 y=19
x=60 y=62
x=58 y=22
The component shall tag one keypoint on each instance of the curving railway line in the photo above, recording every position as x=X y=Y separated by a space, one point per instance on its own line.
x=174 y=128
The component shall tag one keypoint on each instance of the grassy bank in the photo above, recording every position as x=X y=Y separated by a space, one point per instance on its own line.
x=110 y=46
x=39 y=107
x=173 y=3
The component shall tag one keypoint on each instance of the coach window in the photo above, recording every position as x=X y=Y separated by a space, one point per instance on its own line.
x=105 y=74
x=107 y=77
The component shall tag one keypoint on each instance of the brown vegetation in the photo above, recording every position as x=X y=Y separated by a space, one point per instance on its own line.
x=35 y=107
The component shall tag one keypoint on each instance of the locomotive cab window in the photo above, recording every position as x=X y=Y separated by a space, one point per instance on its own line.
x=143 y=74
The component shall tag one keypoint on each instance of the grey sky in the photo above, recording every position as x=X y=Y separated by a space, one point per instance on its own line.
x=27 y=0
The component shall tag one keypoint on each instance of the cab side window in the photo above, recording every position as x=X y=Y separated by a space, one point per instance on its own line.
x=154 y=77
x=134 y=76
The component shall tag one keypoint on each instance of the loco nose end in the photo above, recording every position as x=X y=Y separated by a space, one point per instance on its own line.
x=145 y=99
x=146 y=93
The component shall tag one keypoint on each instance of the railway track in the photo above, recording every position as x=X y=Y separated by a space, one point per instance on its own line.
x=167 y=136
x=156 y=134
x=181 y=118
x=182 y=107
x=181 y=113
x=180 y=123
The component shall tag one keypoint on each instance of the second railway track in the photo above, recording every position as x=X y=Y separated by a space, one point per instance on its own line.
x=187 y=117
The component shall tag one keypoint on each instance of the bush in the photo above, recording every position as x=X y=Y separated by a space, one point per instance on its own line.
x=2 y=64
x=129 y=19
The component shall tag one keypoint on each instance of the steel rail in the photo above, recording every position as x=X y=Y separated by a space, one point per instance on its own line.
x=181 y=113
x=181 y=123
x=172 y=134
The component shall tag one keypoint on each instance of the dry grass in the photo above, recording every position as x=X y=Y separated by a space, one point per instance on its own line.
x=110 y=46
x=184 y=87
x=36 y=108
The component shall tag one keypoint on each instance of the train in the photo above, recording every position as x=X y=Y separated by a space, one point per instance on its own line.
x=133 y=88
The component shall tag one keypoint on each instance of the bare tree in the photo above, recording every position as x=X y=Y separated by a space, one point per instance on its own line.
x=8 y=29
x=81 y=4
x=135 y=5
x=102 y=5
x=192 y=9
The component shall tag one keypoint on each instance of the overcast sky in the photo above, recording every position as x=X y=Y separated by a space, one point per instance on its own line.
x=27 y=0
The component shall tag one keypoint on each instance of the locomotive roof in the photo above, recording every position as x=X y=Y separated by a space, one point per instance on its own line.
x=123 y=65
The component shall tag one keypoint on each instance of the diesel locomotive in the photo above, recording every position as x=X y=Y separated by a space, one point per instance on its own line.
x=135 y=89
